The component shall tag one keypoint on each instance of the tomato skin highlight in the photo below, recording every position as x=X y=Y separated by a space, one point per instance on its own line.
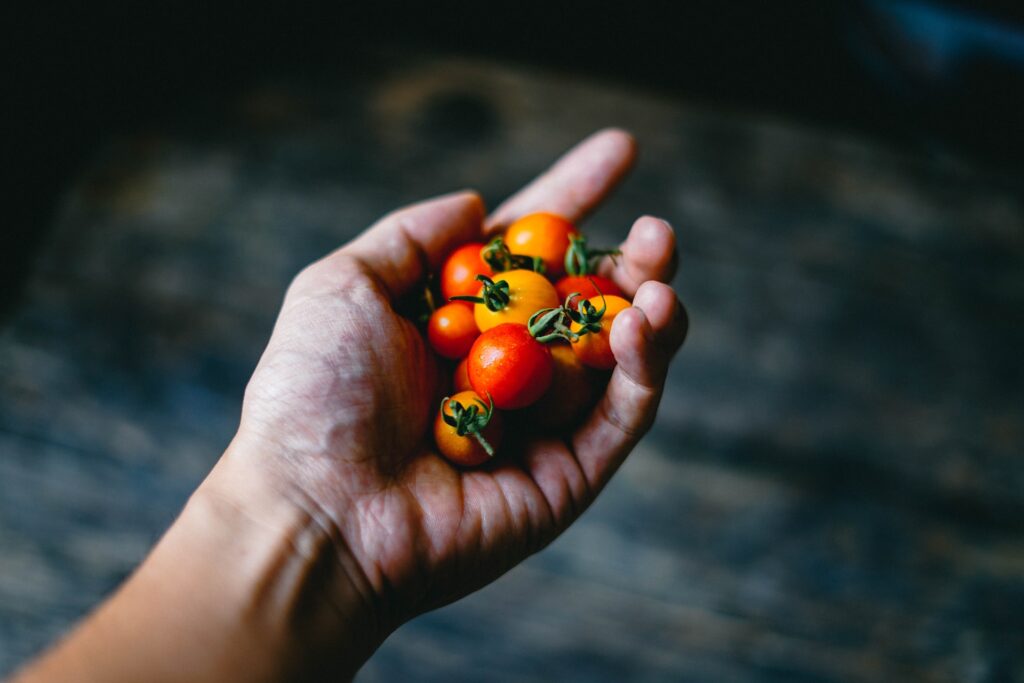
x=458 y=275
x=594 y=348
x=466 y=450
x=572 y=393
x=460 y=379
x=509 y=365
x=528 y=293
x=544 y=235
x=452 y=330
x=587 y=289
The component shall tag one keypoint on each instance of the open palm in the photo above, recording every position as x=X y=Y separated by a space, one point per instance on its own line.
x=340 y=405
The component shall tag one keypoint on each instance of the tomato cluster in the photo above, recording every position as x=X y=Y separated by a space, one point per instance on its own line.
x=529 y=323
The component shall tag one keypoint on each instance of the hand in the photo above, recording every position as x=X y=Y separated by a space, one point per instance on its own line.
x=340 y=404
x=330 y=520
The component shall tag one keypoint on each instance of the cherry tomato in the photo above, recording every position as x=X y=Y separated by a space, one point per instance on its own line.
x=587 y=289
x=452 y=330
x=544 y=235
x=458 y=275
x=466 y=449
x=509 y=365
x=528 y=292
x=572 y=392
x=460 y=380
x=594 y=348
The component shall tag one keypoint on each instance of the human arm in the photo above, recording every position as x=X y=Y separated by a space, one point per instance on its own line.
x=329 y=521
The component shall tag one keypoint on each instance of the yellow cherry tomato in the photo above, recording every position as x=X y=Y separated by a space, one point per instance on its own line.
x=466 y=450
x=528 y=292
x=594 y=348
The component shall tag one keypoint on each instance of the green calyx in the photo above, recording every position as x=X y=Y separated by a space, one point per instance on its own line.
x=497 y=255
x=424 y=306
x=469 y=421
x=585 y=314
x=428 y=299
x=495 y=295
x=549 y=324
x=581 y=261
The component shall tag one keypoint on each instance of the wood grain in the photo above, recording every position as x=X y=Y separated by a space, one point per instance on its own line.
x=834 y=490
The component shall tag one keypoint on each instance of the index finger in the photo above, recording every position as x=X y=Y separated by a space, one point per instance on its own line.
x=576 y=183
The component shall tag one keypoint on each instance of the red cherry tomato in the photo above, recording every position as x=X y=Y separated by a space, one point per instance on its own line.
x=466 y=449
x=452 y=329
x=587 y=285
x=544 y=235
x=510 y=366
x=460 y=380
x=573 y=389
x=594 y=348
x=458 y=275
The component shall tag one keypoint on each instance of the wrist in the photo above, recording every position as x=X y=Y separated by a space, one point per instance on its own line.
x=296 y=582
x=244 y=586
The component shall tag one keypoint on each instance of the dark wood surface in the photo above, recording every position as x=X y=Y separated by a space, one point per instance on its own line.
x=834 y=490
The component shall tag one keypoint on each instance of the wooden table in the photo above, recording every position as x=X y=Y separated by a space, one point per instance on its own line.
x=835 y=486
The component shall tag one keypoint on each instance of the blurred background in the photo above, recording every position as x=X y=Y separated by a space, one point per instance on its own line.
x=834 y=490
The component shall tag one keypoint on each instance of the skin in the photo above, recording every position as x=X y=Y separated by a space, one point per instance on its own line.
x=329 y=521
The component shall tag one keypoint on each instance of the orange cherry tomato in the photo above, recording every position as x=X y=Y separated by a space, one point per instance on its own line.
x=466 y=449
x=587 y=285
x=460 y=380
x=594 y=348
x=458 y=275
x=509 y=365
x=528 y=293
x=452 y=330
x=573 y=389
x=544 y=235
